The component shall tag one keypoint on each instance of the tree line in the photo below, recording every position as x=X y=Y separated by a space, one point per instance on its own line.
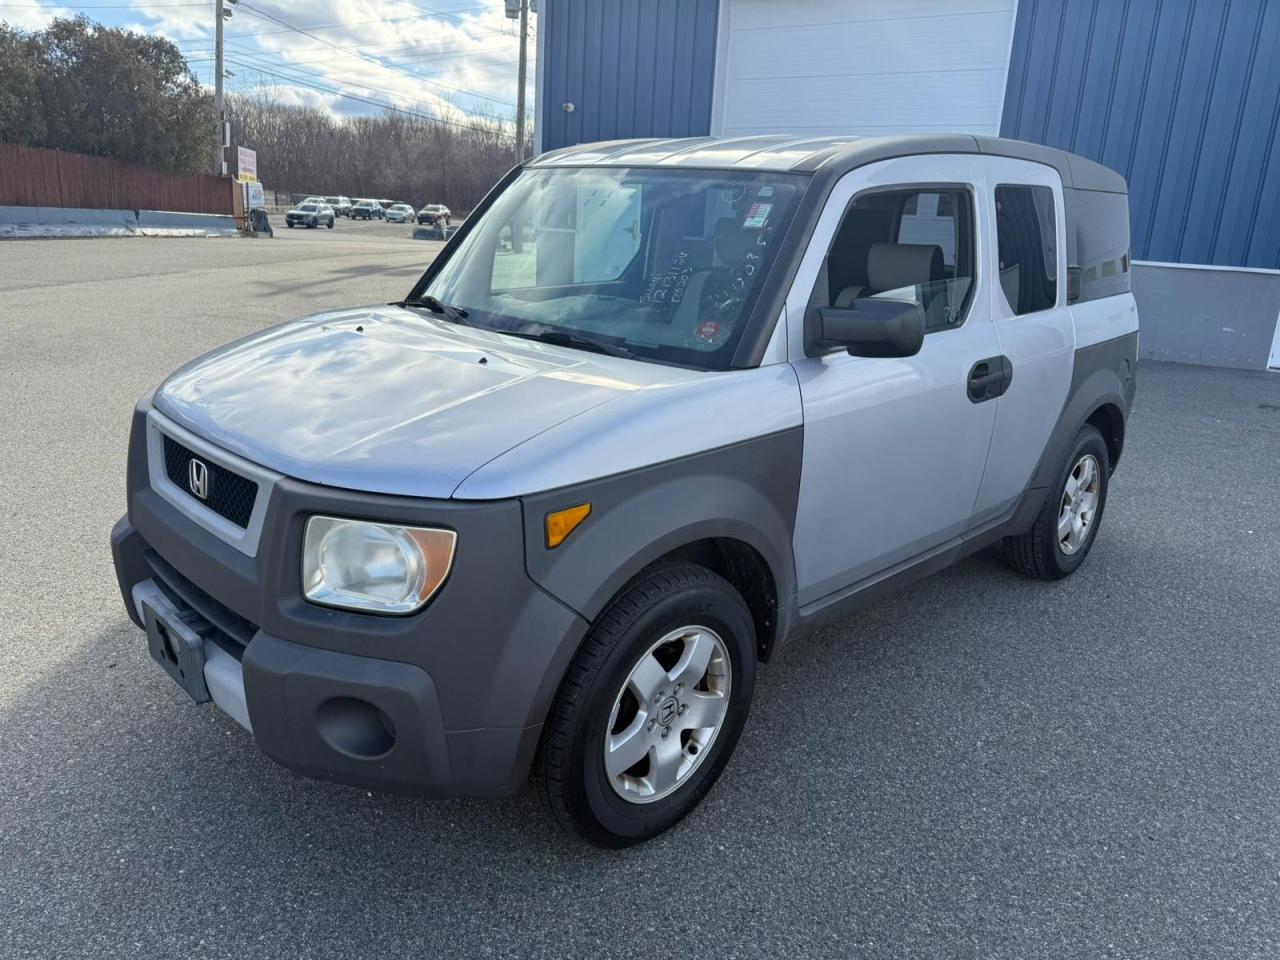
x=86 y=88
x=83 y=87
x=402 y=156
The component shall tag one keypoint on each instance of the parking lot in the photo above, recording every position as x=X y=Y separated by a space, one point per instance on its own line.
x=981 y=766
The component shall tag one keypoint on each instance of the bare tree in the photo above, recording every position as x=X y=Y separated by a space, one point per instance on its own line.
x=451 y=159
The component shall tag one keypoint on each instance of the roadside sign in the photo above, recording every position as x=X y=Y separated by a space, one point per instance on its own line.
x=246 y=165
x=255 y=197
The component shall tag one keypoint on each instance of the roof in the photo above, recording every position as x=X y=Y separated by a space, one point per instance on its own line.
x=810 y=154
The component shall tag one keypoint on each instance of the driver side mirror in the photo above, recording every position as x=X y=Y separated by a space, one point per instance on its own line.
x=874 y=328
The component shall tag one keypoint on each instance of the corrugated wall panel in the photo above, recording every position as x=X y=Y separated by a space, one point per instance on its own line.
x=1181 y=96
x=631 y=68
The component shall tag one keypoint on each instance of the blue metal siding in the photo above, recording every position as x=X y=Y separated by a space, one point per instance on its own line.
x=631 y=68
x=1181 y=96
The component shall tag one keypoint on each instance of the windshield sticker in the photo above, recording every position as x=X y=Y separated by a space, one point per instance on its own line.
x=757 y=214
x=765 y=192
x=708 y=329
x=668 y=286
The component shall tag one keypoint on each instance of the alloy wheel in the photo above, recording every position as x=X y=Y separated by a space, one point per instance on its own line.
x=667 y=714
x=1079 y=505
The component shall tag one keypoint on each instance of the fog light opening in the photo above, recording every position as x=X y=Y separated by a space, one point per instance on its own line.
x=355 y=727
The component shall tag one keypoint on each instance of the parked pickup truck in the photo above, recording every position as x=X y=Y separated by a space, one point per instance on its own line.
x=657 y=408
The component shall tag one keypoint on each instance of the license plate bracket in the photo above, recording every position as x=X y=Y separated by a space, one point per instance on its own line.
x=176 y=642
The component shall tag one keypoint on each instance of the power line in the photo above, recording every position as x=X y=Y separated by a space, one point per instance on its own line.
x=343 y=24
x=244 y=5
x=324 y=88
x=484 y=56
x=395 y=54
x=257 y=58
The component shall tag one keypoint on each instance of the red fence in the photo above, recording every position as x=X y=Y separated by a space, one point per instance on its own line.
x=36 y=177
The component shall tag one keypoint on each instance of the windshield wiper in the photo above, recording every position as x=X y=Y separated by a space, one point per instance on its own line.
x=562 y=338
x=450 y=312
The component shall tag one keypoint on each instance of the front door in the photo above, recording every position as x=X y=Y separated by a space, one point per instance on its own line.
x=894 y=449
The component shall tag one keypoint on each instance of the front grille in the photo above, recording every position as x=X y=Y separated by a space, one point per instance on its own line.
x=231 y=631
x=228 y=494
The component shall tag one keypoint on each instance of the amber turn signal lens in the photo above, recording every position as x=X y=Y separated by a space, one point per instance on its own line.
x=561 y=523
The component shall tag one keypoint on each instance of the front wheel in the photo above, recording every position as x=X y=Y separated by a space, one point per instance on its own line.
x=330 y=223
x=1063 y=533
x=651 y=708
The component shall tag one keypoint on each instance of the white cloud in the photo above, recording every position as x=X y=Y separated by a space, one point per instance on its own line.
x=388 y=50
x=35 y=17
x=175 y=22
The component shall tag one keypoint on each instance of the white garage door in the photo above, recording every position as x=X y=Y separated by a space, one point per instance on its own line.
x=861 y=66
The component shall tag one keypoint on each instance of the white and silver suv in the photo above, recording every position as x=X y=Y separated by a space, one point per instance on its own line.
x=656 y=408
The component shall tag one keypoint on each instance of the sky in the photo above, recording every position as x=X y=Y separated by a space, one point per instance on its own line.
x=433 y=57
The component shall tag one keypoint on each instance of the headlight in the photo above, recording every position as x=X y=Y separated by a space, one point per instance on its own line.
x=373 y=567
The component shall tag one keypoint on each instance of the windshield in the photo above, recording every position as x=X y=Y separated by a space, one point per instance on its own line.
x=665 y=263
x=308 y=208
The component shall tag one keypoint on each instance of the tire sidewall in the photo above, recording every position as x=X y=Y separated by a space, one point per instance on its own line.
x=1089 y=441
x=614 y=820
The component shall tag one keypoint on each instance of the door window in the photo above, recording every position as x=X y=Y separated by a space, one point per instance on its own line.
x=1027 y=240
x=912 y=245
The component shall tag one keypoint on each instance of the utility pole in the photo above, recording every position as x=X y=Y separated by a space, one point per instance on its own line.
x=219 y=156
x=524 y=64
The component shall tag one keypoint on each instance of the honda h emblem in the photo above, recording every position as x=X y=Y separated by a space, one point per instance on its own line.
x=198 y=478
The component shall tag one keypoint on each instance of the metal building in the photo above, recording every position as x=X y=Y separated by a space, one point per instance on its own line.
x=1182 y=97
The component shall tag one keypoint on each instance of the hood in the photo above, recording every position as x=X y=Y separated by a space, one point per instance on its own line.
x=388 y=401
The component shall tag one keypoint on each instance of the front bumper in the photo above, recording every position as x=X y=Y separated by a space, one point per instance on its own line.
x=447 y=702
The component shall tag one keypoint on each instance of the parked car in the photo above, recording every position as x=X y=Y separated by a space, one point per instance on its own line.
x=341 y=205
x=367 y=210
x=552 y=520
x=434 y=213
x=310 y=215
x=400 y=213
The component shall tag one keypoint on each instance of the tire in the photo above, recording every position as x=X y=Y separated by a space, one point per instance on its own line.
x=289 y=224
x=1077 y=500
x=645 y=639
x=330 y=223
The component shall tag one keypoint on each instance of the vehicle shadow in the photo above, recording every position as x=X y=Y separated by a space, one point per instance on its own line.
x=330 y=285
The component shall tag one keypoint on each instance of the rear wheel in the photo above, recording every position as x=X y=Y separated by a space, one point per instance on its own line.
x=1063 y=533
x=651 y=708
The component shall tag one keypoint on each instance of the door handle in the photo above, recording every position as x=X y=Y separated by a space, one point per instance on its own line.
x=990 y=378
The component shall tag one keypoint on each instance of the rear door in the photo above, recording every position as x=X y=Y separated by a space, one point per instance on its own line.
x=1023 y=203
x=894 y=449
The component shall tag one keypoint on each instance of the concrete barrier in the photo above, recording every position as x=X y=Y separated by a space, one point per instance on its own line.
x=162 y=223
x=434 y=232
x=66 y=222
x=18 y=222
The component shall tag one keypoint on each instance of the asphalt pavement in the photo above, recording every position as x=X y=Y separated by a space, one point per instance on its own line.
x=980 y=766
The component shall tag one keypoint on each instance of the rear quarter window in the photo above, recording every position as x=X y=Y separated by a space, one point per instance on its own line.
x=1097 y=244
